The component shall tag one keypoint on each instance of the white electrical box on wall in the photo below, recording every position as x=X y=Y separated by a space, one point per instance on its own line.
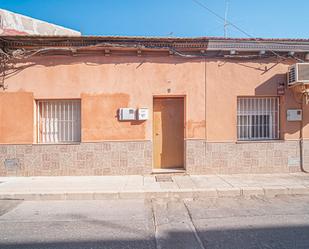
x=142 y=114
x=126 y=114
x=294 y=115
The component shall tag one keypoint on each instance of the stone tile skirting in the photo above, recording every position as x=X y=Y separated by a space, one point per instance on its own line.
x=104 y=158
x=249 y=157
x=135 y=157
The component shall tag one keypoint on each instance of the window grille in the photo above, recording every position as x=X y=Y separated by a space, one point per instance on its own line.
x=257 y=118
x=58 y=121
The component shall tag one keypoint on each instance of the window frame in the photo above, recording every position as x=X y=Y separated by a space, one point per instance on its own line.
x=273 y=126
x=38 y=121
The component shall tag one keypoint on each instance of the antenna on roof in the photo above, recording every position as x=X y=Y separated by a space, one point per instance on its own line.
x=225 y=18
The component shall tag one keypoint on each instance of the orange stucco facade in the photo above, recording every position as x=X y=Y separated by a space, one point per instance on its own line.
x=226 y=80
x=16 y=118
x=104 y=83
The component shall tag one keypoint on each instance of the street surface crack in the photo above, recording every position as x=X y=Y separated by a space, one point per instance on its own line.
x=193 y=227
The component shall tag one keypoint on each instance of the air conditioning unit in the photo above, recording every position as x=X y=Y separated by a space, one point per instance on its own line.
x=298 y=74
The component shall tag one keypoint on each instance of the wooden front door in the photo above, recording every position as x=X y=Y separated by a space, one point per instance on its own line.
x=168 y=133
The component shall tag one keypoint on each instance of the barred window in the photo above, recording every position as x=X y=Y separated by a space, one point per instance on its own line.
x=58 y=121
x=257 y=118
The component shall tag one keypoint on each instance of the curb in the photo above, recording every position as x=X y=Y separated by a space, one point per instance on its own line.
x=141 y=194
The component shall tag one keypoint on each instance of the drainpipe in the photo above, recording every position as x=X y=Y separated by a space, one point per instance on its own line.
x=205 y=81
x=301 y=138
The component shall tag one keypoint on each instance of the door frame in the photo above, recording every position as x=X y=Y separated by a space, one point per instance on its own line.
x=169 y=96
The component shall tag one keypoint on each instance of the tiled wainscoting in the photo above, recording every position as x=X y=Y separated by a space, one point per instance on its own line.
x=248 y=157
x=125 y=157
x=105 y=158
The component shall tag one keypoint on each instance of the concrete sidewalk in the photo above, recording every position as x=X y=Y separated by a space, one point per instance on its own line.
x=136 y=186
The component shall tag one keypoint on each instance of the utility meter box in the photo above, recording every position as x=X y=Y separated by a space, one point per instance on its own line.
x=126 y=114
x=294 y=115
x=142 y=114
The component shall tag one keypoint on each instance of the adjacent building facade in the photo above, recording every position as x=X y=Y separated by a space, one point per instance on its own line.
x=15 y=24
x=134 y=105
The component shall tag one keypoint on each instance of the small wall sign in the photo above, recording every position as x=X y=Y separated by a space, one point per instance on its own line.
x=11 y=163
x=142 y=114
x=281 y=89
x=294 y=115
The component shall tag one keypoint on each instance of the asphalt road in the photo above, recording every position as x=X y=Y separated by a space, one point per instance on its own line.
x=228 y=223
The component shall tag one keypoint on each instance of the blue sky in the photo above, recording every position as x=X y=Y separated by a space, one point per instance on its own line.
x=183 y=18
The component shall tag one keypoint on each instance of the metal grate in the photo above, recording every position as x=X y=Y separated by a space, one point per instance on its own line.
x=292 y=74
x=164 y=178
x=58 y=121
x=257 y=118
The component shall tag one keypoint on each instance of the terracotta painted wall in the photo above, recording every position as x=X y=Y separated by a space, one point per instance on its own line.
x=100 y=121
x=229 y=79
x=115 y=82
x=105 y=84
x=16 y=118
x=306 y=122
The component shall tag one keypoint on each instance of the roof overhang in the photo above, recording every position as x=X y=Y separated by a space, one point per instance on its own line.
x=196 y=45
x=211 y=43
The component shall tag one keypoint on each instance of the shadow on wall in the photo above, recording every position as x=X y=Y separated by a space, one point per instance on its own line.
x=93 y=60
x=269 y=87
x=289 y=100
x=276 y=237
x=16 y=66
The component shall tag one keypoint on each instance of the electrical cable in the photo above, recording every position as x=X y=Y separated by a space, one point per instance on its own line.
x=127 y=45
x=227 y=22
x=24 y=54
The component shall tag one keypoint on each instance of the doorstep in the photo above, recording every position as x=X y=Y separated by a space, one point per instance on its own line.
x=169 y=171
